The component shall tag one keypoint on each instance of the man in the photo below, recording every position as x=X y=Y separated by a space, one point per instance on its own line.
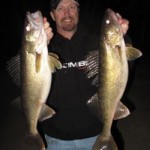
x=74 y=126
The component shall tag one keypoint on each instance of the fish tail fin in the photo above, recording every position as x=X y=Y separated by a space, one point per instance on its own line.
x=105 y=144
x=35 y=140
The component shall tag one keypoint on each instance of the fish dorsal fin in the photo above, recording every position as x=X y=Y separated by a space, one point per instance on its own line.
x=132 y=53
x=121 y=111
x=54 y=63
x=91 y=70
x=38 y=62
x=13 y=68
x=46 y=112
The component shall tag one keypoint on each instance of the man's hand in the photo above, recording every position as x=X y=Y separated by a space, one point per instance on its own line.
x=123 y=22
x=48 y=30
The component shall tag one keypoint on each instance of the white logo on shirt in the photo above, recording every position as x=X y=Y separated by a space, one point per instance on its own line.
x=79 y=65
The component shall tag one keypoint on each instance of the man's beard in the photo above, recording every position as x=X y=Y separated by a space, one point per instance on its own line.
x=68 y=26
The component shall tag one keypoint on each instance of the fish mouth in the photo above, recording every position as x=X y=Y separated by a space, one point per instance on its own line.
x=112 y=14
x=35 y=19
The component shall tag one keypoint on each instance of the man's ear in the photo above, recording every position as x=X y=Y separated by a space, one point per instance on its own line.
x=52 y=15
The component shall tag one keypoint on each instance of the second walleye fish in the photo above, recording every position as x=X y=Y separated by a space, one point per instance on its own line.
x=110 y=64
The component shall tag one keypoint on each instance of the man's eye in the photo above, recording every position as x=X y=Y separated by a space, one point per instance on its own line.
x=59 y=9
x=73 y=7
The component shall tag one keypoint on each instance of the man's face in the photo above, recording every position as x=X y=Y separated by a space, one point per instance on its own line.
x=66 y=15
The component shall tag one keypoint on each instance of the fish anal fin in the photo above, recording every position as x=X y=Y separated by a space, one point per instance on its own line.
x=54 y=62
x=132 y=53
x=38 y=62
x=46 y=113
x=121 y=111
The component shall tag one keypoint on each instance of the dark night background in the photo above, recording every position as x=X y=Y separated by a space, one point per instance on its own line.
x=133 y=132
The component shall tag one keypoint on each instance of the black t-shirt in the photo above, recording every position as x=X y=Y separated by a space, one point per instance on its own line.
x=71 y=89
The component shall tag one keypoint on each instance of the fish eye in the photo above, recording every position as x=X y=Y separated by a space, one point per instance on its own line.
x=28 y=27
x=107 y=21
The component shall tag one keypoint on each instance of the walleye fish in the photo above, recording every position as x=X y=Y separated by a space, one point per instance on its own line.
x=36 y=68
x=110 y=66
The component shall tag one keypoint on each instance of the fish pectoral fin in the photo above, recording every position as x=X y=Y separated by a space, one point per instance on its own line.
x=54 y=55
x=132 y=53
x=54 y=62
x=38 y=62
x=46 y=113
x=121 y=111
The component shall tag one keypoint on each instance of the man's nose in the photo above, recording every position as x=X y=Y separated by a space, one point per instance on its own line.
x=67 y=12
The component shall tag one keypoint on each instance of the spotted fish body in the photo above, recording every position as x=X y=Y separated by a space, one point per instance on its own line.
x=110 y=64
x=36 y=68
